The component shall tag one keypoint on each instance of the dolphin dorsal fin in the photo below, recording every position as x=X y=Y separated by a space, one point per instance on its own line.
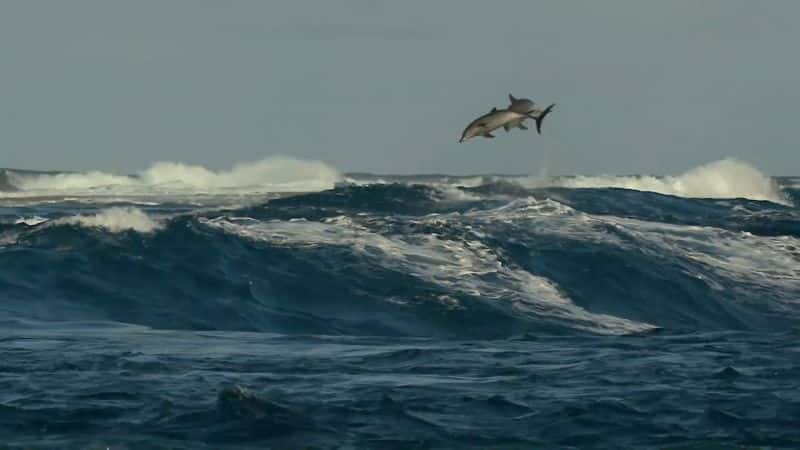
x=494 y=109
x=511 y=98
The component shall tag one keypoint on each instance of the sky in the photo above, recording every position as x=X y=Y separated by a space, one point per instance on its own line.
x=641 y=86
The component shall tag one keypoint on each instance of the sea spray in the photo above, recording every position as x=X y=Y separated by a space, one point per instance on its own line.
x=115 y=220
x=727 y=178
x=273 y=174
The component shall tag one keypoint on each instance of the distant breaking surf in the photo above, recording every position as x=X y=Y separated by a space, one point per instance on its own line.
x=724 y=179
x=274 y=174
x=727 y=178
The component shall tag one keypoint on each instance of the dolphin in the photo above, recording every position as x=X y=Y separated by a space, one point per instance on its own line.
x=494 y=119
x=529 y=109
x=520 y=105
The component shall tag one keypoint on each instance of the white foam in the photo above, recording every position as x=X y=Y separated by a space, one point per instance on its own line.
x=525 y=208
x=115 y=220
x=8 y=239
x=727 y=178
x=468 y=267
x=31 y=221
x=453 y=193
x=441 y=181
x=274 y=174
x=741 y=260
x=769 y=262
x=793 y=183
x=69 y=182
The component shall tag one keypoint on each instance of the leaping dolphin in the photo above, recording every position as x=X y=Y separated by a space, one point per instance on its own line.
x=529 y=109
x=494 y=119
x=520 y=105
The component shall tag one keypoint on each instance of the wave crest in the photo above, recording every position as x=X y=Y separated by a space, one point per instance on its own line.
x=727 y=178
x=274 y=174
x=116 y=220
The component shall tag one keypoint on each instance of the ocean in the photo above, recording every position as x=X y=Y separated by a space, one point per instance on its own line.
x=284 y=305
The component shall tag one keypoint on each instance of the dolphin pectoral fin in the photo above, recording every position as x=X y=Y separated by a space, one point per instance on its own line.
x=522 y=127
x=506 y=127
x=488 y=135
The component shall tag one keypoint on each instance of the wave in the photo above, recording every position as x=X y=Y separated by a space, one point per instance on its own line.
x=274 y=174
x=458 y=268
x=724 y=179
x=115 y=220
x=340 y=262
x=30 y=221
x=404 y=259
x=727 y=178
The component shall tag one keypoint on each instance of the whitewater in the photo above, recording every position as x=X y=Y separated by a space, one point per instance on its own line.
x=282 y=303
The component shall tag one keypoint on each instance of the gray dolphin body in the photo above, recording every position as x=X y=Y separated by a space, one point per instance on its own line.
x=520 y=105
x=485 y=124
x=529 y=109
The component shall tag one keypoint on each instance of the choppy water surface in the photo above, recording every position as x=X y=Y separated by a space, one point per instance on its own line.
x=400 y=312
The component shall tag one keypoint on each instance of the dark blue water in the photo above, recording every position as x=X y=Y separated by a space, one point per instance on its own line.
x=397 y=316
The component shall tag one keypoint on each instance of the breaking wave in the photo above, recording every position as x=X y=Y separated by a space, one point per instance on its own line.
x=727 y=178
x=115 y=220
x=724 y=179
x=411 y=312
x=411 y=260
x=274 y=174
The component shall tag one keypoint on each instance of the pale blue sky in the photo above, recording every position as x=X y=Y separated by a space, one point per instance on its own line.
x=388 y=86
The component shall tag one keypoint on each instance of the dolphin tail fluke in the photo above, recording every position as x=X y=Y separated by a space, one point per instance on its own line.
x=541 y=117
